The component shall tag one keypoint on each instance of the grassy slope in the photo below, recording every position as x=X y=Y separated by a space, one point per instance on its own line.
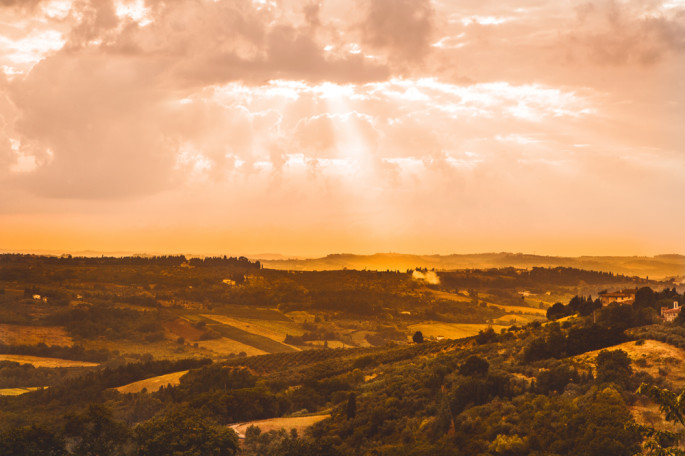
x=656 y=355
x=275 y=330
x=255 y=340
x=656 y=267
x=17 y=391
x=31 y=335
x=299 y=423
x=38 y=361
x=658 y=358
x=153 y=384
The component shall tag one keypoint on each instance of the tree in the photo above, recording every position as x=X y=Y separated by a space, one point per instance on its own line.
x=555 y=379
x=351 y=407
x=417 y=337
x=31 y=441
x=484 y=337
x=558 y=310
x=644 y=297
x=662 y=443
x=509 y=445
x=184 y=432
x=474 y=366
x=443 y=419
x=613 y=366
x=95 y=432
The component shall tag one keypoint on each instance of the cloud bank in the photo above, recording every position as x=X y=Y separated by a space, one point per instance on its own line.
x=321 y=126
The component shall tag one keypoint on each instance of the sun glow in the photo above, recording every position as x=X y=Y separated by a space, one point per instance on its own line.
x=413 y=117
x=134 y=10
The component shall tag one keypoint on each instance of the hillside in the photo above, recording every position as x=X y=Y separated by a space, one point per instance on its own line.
x=469 y=396
x=396 y=362
x=174 y=307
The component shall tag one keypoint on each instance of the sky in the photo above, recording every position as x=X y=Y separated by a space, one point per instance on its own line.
x=314 y=127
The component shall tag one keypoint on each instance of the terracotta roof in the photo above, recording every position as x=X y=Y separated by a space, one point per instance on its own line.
x=618 y=294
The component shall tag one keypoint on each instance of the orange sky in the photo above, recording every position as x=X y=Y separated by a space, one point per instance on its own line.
x=311 y=127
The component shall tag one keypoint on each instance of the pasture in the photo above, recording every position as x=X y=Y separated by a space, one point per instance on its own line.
x=299 y=423
x=659 y=360
x=38 y=361
x=217 y=323
x=275 y=330
x=651 y=357
x=515 y=319
x=152 y=384
x=32 y=335
x=17 y=391
x=226 y=346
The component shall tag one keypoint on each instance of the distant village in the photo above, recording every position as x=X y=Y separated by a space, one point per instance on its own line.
x=627 y=297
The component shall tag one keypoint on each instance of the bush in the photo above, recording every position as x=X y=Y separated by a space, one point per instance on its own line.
x=184 y=432
x=155 y=337
x=474 y=366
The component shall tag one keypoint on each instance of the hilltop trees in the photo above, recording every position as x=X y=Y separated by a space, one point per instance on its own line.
x=351 y=407
x=558 y=310
x=556 y=343
x=580 y=305
x=613 y=366
x=31 y=441
x=474 y=366
x=184 y=432
x=95 y=432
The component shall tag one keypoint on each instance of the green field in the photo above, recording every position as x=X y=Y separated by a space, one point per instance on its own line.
x=275 y=330
x=515 y=319
x=254 y=340
x=254 y=313
x=153 y=384
x=225 y=346
x=299 y=423
x=38 y=361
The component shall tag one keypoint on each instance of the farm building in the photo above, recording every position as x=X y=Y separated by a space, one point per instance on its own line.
x=621 y=297
x=670 y=313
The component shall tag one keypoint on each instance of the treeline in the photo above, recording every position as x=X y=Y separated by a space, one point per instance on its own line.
x=557 y=343
x=40 y=270
x=580 y=305
x=74 y=352
x=18 y=375
x=161 y=260
x=512 y=277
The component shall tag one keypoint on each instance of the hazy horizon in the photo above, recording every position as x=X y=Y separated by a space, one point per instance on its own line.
x=306 y=128
x=275 y=256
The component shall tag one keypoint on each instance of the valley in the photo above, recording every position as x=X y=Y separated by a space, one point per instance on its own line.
x=332 y=362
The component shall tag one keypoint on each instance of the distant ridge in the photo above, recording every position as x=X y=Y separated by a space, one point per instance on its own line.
x=663 y=266
x=658 y=267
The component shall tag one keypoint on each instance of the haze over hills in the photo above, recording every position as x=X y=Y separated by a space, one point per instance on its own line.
x=656 y=267
x=659 y=266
